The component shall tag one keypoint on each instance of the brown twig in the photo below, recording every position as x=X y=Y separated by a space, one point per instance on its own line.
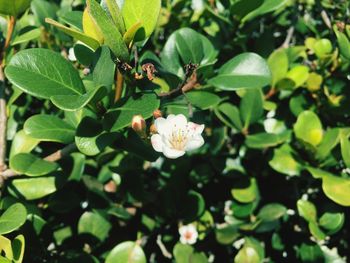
x=186 y=85
x=162 y=247
x=50 y=158
x=3 y=115
x=119 y=81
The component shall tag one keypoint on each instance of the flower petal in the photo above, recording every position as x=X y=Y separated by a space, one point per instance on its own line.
x=160 y=124
x=157 y=142
x=196 y=128
x=177 y=121
x=194 y=143
x=172 y=153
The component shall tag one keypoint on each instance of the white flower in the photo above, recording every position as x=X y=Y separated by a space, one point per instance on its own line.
x=175 y=136
x=71 y=55
x=188 y=234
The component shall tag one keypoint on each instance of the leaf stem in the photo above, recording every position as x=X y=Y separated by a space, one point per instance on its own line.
x=119 y=81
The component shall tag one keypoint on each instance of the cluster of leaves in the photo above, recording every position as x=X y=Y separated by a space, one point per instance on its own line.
x=268 y=78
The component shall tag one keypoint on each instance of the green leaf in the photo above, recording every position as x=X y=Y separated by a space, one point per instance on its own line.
x=310 y=253
x=332 y=222
x=73 y=19
x=13 y=218
x=247 y=70
x=120 y=115
x=186 y=254
x=265 y=140
x=229 y=115
x=266 y=7
x=203 y=99
x=103 y=68
x=49 y=128
x=345 y=150
x=127 y=251
x=251 y=107
x=33 y=188
x=90 y=137
x=6 y=248
x=94 y=224
x=44 y=73
x=343 y=42
x=22 y=143
x=187 y=46
x=131 y=33
x=18 y=245
x=193 y=207
x=26 y=37
x=13 y=7
x=307 y=210
x=251 y=252
x=316 y=231
x=29 y=164
x=43 y=9
x=112 y=37
x=245 y=192
x=308 y=128
x=283 y=161
x=298 y=75
x=78 y=35
x=77 y=102
x=337 y=189
x=278 y=63
x=271 y=212
x=115 y=12
x=322 y=47
x=146 y=12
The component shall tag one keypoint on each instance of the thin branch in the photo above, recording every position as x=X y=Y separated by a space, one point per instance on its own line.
x=119 y=81
x=326 y=19
x=289 y=36
x=3 y=114
x=162 y=247
x=51 y=158
x=186 y=85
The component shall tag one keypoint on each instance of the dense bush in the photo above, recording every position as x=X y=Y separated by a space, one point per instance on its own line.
x=174 y=131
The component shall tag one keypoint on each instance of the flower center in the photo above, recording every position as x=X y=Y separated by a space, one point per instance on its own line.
x=178 y=138
x=188 y=235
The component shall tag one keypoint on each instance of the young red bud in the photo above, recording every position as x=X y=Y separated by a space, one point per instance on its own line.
x=138 y=124
x=157 y=114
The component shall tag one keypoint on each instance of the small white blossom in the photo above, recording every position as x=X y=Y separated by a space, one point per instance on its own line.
x=188 y=234
x=175 y=135
x=71 y=55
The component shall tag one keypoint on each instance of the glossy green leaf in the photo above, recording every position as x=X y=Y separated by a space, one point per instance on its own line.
x=120 y=115
x=246 y=192
x=49 y=128
x=33 y=188
x=44 y=73
x=94 y=224
x=337 y=189
x=266 y=7
x=332 y=222
x=22 y=143
x=115 y=12
x=229 y=115
x=13 y=218
x=307 y=210
x=278 y=64
x=251 y=252
x=203 y=99
x=345 y=150
x=284 y=162
x=298 y=75
x=146 y=12
x=78 y=35
x=343 y=42
x=29 y=164
x=251 y=107
x=186 y=254
x=112 y=37
x=127 y=251
x=18 y=246
x=247 y=70
x=265 y=140
x=272 y=212
x=43 y=9
x=26 y=37
x=308 y=128
x=13 y=7
x=90 y=137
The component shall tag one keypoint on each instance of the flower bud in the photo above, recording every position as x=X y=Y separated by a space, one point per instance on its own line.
x=157 y=114
x=138 y=124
